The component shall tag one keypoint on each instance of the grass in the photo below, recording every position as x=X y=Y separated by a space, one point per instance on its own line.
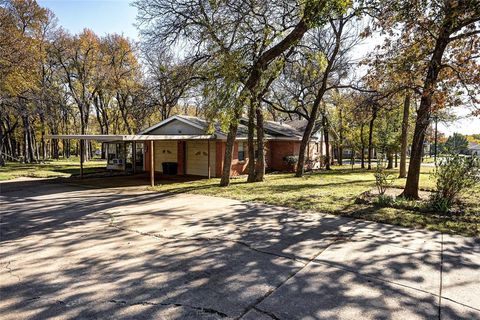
x=335 y=192
x=49 y=169
x=329 y=192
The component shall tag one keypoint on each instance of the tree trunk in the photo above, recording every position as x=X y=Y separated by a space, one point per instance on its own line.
x=55 y=149
x=370 y=136
x=340 y=155
x=227 y=161
x=340 y=138
x=36 y=148
x=404 y=138
x=260 y=168
x=43 y=143
x=322 y=141
x=251 y=143
x=327 y=142
x=82 y=130
x=390 y=160
x=27 y=152
x=362 y=141
x=423 y=113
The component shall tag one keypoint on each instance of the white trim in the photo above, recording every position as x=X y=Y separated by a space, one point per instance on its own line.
x=136 y=137
x=168 y=120
x=161 y=123
x=268 y=138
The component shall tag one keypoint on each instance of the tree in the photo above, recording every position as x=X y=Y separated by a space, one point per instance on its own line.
x=438 y=32
x=456 y=143
x=23 y=26
x=404 y=139
x=313 y=70
x=80 y=59
x=389 y=132
x=334 y=50
x=240 y=36
x=169 y=79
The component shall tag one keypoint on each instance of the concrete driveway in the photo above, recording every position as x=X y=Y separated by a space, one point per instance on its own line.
x=75 y=252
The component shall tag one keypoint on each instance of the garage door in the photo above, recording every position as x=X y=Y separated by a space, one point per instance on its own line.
x=197 y=158
x=165 y=151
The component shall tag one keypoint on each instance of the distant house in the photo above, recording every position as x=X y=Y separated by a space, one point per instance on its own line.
x=182 y=143
x=474 y=148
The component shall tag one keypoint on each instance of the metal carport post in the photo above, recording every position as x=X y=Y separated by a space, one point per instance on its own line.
x=152 y=164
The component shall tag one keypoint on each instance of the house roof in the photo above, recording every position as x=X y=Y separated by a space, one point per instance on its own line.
x=300 y=125
x=473 y=146
x=282 y=128
x=273 y=130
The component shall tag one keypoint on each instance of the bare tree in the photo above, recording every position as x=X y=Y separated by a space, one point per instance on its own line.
x=169 y=78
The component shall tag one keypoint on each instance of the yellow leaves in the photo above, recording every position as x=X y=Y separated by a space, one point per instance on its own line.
x=315 y=64
x=21 y=50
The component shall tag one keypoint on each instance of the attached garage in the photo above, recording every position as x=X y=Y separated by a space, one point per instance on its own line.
x=165 y=151
x=197 y=158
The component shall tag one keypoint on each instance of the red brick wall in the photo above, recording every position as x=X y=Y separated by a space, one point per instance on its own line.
x=146 y=157
x=219 y=155
x=239 y=167
x=280 y=149
x=275 y=152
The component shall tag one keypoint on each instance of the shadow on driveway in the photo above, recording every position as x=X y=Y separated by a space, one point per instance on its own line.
x=77 y=252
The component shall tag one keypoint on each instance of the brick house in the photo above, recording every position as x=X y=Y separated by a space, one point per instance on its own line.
x=187 y=143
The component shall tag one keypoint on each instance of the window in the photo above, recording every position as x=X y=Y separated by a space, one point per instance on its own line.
x=115 y=153
x=241 y=151
x=111 y=152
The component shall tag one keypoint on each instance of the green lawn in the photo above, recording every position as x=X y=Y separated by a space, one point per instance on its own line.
x=51 y=168
x=329 y=192
x=334 y=192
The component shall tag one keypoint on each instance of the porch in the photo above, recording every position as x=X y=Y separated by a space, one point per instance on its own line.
x=194 y=155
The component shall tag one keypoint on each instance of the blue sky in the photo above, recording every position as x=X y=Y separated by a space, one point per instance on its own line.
x=118 y=16
x=102 y=16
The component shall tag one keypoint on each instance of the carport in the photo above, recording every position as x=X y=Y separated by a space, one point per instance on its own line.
x=134 y=139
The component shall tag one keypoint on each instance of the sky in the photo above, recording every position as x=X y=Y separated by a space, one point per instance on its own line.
x=118 y=16
x=102 y=16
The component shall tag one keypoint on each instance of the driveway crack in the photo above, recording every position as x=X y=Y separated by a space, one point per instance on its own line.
x=255 y=304
x=10 y=271
x=149 y=303
x=270 y=314
x=199 y=238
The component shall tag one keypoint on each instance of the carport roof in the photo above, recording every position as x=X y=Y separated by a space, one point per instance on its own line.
x=130 y=137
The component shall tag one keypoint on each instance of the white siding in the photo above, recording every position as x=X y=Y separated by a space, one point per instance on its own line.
x=165 y=151
x=197 y=160
x=177 y=127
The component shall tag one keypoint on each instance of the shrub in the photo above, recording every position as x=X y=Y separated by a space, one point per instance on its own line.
x=291 y=160
x=455 y=174
x=383 y=179
x=385 y=200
